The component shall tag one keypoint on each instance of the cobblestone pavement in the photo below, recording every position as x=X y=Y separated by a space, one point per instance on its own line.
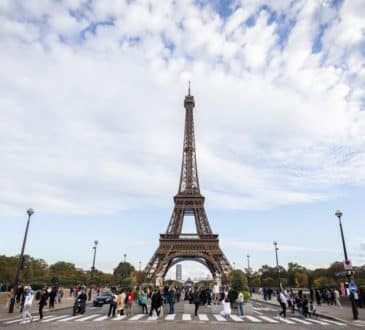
x=96 y=318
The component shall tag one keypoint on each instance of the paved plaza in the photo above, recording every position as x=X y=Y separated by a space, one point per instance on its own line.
x=265 y=317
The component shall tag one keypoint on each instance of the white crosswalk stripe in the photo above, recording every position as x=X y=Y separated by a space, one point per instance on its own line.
x=136 y=317
x=252 y=318
x=12 y=321
x=71 y=318
x=87 y=317
x=55 y=318
x=184 y=317
x=203 y=317
x=219 y=318
x=268 y=319
x=318 y=322
x=101 y=318
x=119 y=317
x=282 y=319
x=334 y=322
x=236 y=318
x=300 y=320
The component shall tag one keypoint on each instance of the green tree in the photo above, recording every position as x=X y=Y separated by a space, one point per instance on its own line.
x=123 y=270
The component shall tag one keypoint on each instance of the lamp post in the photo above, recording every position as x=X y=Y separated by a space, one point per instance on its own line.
x=125 y=257
x=20 y=263
x=347 y=262
x=93 y=266
x=139 y=272
x=277 y=262
x=248 y=272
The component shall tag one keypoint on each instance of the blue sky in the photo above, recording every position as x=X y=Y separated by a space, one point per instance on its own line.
x=91 y=104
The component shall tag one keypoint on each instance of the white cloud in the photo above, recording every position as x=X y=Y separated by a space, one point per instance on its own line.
x=88 y=117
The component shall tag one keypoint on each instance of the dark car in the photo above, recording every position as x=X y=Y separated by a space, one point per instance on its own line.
x=102 y=298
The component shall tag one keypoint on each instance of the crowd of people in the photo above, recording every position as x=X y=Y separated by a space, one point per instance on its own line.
x=24 y=297
x=306 y=303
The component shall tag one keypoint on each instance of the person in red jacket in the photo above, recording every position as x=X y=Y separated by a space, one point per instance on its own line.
x=130 y=298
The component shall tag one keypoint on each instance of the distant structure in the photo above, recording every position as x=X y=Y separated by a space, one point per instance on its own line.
x=176 y=246
x=178 y=272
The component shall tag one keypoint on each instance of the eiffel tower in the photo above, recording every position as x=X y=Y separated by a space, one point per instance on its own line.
x=176 y=246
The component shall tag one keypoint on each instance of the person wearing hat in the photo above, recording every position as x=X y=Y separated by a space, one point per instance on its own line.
x=27 y=304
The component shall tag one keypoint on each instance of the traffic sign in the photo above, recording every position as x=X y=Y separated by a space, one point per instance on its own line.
x=352 y=287
x=347 y=264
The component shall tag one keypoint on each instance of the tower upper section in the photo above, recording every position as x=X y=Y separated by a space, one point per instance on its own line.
x=189 y=181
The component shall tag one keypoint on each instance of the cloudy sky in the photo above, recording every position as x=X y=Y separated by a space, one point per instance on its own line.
x=91 y=129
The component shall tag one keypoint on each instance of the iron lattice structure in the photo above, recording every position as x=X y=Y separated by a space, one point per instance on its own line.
x=174 y=245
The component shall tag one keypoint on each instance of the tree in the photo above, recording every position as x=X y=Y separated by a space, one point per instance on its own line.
x=238 y=283
x=123 y=270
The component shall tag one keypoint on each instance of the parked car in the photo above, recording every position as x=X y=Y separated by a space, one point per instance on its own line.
x=102 y=298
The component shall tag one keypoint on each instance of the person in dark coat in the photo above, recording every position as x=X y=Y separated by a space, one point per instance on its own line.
x=52 y=297
x=196 y=300
x=156 y=302
x=42 y=302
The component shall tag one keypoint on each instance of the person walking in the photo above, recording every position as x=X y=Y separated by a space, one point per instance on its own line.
x=142 y=300
x=156 y=302
x=240 y=303
x=113 y=304
x=52 y=297
x=215 y=294
x=121 y=302
x=337 y=297
x=318 y=297
x=282 y=300
x=27 y=315
x=171 y=299
x=42 y=302
x=226 y=307
x=130 y=299
x=196 y=300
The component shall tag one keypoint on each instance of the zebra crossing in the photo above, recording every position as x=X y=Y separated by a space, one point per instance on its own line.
x=98 y=317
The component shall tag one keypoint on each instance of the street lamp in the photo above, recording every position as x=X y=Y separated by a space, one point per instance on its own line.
x=277 y=262
x=125 y=257
x=347 y=262
x=248 y=264
x=20 y=264
x=93 y=266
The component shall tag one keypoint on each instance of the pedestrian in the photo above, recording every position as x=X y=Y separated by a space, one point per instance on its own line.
x=337 y=298
x=215 y=294
x=312 y=309
x=240 y=301
x=226 y=307
x=171 y=299
x=282 y=300
x=27 y=315
x=142 y=300
x=156 y=302
x=113 y=304
x=178 y=294
x=130 y=299
x=203 y=296
x=196 y=300
x=121 y=302
x=52 y=297
x=305 y=306
x=42 y=302
x=318 y=297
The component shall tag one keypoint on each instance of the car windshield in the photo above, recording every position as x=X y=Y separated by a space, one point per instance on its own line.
x=104 y=294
